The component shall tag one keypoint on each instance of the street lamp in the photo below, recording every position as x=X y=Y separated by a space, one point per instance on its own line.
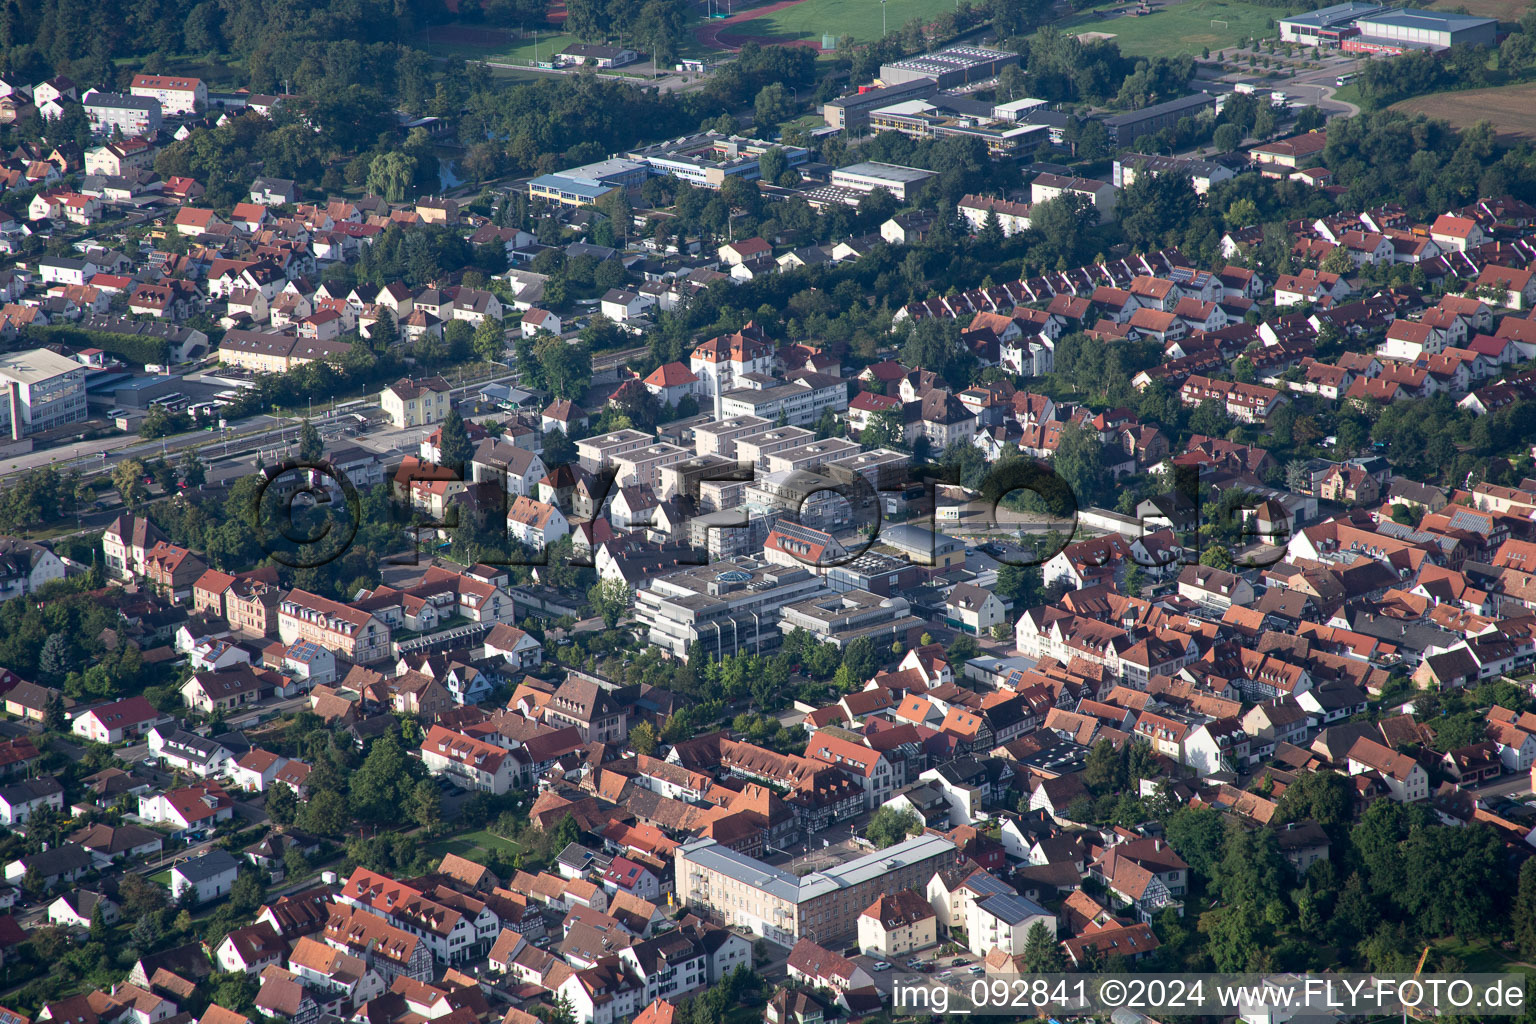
x=882 y=19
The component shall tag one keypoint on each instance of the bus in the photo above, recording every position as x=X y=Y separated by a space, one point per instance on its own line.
x=1344 y=80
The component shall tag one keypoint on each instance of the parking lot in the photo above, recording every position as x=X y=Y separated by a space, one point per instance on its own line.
x=956 y=967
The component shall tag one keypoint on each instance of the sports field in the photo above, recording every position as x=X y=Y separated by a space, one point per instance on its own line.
x=1177 y=28
x=808 y=20
x=1510 y=108
x=479 y=42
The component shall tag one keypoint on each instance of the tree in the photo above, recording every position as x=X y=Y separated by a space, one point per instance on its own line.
x=1227 y=137
x=427 y=806
x=1339 y=261
x=1042 y=953
x=282 y=805
x=642 y=739
x=457 y=451
x=55 y=660
x=390 y=174
x=325 y=814
x=610 y=599
x=562 y=1012
x=128 y=480
x=772 y=105
x=566 y=369
x=884 y=430
x=193 y=474
x=1101 y=769
x=382 y=785
x=1523 y=917
x=247 y=893
x=1217 y=556
x=1323 y=797
x=1210 y=418
x=311 y=446
x=889 y=826
x=1079 y=461
x=53 y=713
x=1195 y=833
x=566 y=833
x=772 y=165
x=490 y=342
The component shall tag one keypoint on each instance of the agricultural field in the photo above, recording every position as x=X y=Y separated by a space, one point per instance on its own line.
x=1172 y=29
x=1511 y=108
x=1504 y=10
x=808 y=20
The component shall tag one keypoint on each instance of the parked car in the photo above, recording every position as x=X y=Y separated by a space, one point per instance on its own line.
x=881 y=965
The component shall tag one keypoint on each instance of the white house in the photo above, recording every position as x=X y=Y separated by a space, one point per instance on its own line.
x=1003 y=922
x=121 y=720
x=20 y=800
x=209 y=876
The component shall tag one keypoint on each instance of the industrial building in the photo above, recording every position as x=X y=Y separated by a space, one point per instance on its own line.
x=1126 y=128
x=1404 y=29
x=781 y=907
x=949 y=67
x=43 y=390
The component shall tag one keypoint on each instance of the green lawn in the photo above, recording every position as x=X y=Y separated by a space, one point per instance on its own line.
x=857 y=18
x=473 y=845
x=1179 y=28
x=1478 y=956
x=162 y=877
x=514 y=51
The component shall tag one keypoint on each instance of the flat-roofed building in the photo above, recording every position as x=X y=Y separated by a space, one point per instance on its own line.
x=642 y=466
x=1126 y=128
x=1405 y=28
x=756 y=448
x=799 y=402
x=872 y=174
x=853 y=111
x=810 y=455
x=726 y=607
x=949 y=67
x=43 y=390
x=593 y=453
x=1326 y=26
x=708 y=158
x=720 y=437
x=781 y=907
x=842 y=618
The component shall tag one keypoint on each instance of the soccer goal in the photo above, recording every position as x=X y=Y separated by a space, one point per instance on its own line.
x=1218 y=23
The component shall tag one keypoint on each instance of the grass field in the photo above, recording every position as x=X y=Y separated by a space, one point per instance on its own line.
x=1511 y=108
x=457 y=41
x=857 y=18
x=473 y=845
x=1504 y=10
x=1176 y=28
